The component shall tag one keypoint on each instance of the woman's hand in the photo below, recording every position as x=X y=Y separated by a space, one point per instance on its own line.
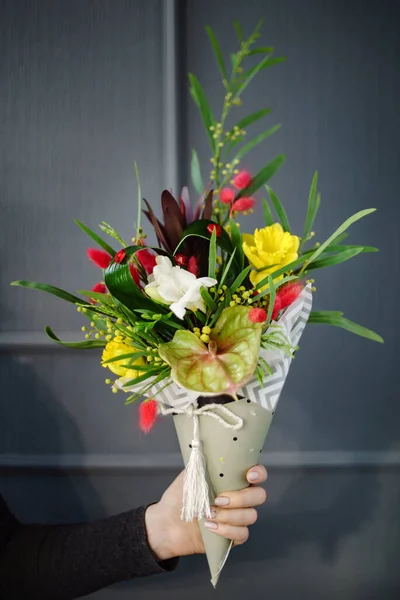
x=233 y=512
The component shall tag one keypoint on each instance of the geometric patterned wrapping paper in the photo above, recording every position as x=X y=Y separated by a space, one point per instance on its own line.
x=293 y=320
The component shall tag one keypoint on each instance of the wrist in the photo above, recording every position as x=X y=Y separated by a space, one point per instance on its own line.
x=158 y=533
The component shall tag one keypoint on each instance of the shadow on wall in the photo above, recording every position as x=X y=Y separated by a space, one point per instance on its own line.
x=33 y=423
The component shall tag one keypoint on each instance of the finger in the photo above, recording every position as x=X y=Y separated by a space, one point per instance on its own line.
x=252 y=496
x=257 y=474
x=238 y=535
x=239 y=517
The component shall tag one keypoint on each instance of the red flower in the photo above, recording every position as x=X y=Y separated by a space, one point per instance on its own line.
x=99 y=257
x=181 y=259
x=227 y=195
x=257 y=315
x=242 y=180
x=212 y=226
x=119 y=257
x=285 y=296
x=147 y=259
x=277 y=308
x=193 y=266
x=99 y=288
x=147 y=415
x=243 y=204
x=134 y=273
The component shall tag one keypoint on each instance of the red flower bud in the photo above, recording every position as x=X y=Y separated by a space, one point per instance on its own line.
x=99 y=288
x=212 y=226
x=119 y=257
x=277 y=309
x=147 y=259
x=147 y=414
x=100 y=258
x=181 y=259
x=242 y=180
x=258 y=315
x=227 y=195
x=134 y=273
x=243 y=204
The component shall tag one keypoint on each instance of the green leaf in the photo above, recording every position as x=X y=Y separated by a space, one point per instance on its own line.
x=339 y=248
x=262 y=177
x=49 y=289
x=139 y=213
x=336 y=259
x=84 y=345
x=121 y=286
x=195 y=173
x=237 y=241
x=128 y=355
x=239 y=279
x=266 y=62
x=234 y=62
x=251 y=73
x=280 y=211
x=312 y=207
x=359 y=215
x=335 y=319
x=238 y=30
x=96 y=238
x=268 y=218
x=102 y=298
x=261 y=50
x=212 y=255
x=272 y=296
x=210 y=303
x=281 y=271
x=201 y=101
x=255 y=116
x=252 y=143
x=226 y=270
x=217 y=52
x=226 y=364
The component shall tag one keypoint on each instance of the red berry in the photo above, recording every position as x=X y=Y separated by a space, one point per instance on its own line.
x=212 y=226
x=119 y=257
x=181 y=259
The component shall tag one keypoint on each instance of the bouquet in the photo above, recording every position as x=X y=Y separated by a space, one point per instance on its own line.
x=204 y=325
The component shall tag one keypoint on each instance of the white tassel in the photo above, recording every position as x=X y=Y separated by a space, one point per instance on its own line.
x=196 y=495
x=196 y=500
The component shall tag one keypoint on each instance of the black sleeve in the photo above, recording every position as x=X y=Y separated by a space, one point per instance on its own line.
x=63 y=562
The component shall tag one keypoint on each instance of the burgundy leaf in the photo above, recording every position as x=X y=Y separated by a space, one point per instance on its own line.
x=161 y=234
x=207 y=212
x=174 y=221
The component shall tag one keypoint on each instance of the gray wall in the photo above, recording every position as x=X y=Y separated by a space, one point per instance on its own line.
x=86 y=88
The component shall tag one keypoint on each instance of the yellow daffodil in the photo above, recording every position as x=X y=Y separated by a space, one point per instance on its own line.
x=117 y=347
x=269 y=249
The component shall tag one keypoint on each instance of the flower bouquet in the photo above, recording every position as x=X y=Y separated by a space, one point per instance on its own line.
x=204 y=325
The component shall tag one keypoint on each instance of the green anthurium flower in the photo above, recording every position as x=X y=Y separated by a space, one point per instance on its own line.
x=223 y=365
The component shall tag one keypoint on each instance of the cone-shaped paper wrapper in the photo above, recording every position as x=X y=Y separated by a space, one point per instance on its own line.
x=229 y=454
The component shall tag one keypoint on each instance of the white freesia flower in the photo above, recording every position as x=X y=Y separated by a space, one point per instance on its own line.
x=176 y=287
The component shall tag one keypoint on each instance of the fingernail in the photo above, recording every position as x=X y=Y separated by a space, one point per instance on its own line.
x=210 y=525
x=253 y=476
x=223 y=501
x=213 y=513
